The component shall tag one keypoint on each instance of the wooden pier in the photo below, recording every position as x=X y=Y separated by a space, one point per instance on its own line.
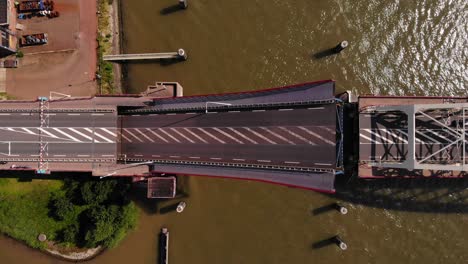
x=180 y=54
x=164 y=246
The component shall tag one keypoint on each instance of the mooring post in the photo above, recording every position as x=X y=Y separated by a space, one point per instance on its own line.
x=181 y=207
x=343 y=210
x=340 y=243
x=183 y=4
x=341 y=46
x=182 y=54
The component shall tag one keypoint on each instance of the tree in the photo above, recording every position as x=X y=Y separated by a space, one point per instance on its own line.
x=97 y=192
x=102 y=223
x=63 y=208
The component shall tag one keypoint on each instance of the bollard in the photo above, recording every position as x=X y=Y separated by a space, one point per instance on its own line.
x=181 y=207
x=343 y=44
x=183 y=4
x=182 y=54
x=343 y=210
x=340 y=243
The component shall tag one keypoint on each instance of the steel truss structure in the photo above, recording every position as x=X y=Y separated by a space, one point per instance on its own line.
x=447 y=122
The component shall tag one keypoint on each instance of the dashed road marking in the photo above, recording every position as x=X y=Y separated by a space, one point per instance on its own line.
x=175 y=157
x=287 y=109
x=194 y=157
x=215 y=158
x=292 y=162
x=239 y=159
x=266 y=161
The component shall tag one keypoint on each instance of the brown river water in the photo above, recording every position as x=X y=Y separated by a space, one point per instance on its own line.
x=396 y=47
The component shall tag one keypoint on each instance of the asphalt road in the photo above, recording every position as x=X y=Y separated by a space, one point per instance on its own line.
x=294 y=137
x=68 y=135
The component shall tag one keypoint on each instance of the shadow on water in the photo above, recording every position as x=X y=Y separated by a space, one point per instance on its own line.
x=433 y=195
x=171 y=9
x=324 y=243
x=324 y=53
x=161 y=62
x=325 y=209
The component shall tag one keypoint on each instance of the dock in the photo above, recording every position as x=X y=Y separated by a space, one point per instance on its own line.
x=164 y=246
x=178 y=55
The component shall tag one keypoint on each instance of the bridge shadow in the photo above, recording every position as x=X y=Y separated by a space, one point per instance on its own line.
x=161 y=62
x=425 y=195
x=171 y=9
x=324 y=243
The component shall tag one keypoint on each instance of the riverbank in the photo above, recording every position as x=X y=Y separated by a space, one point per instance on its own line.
x=110 y=81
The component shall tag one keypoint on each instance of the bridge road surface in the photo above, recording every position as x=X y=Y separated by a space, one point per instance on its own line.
x=285 y=137
x=384 y=136
x=77 y=135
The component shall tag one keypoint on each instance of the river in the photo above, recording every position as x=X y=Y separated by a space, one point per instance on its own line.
x=396 y=47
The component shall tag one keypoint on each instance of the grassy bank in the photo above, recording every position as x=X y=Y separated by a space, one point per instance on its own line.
x=73 y=214
x=104 y=38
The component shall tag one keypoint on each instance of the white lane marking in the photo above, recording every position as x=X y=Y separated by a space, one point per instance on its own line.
x=428 y=137
x=4 y=114
x=133 y=135
x=406 y=134
x=48 y=133
x=195 y=135
x=210 y=135
x=234 y=111
x=239 y=159
x=377 y=135
x=292 y=162
x=182 y=135
x=394 y=135
x=266 y=161
x=138 y=155
x=145 y=136
x=74 y=114
x=323 y=164
x=262 y=110
x=13 y=155
x=174 y=157
x=97 y=115
x=124 y=137
x=439 y=135
x=169 y=135
x=35 y=155
x=227 y=135
x=368 y=138
x=28 y=131
x=190 y=113
x=215 y=158
x=99 y=135
x=259 y=135
x=288 y=109
x=297 y=136
x=60 y=155
x=242 y=135
x=315 y=108
x=51 y=114
x=108 y=132
x=211 y=112
x=157 y=135
x=67 y=135
x=278 y=135
x=81 y=134
x=107 y=155
x=312 y=133
x=25 y=114
x=172 y=114
x=194 y=157
x=83 y=156
x=155 y=156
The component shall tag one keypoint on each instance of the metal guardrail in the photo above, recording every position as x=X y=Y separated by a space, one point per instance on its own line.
x=232 y=165
x=71 y=160
x=61 y=110
x=203 y=108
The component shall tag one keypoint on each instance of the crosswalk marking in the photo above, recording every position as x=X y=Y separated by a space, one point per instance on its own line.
x=260 y=135
x=182 y=135
x=157 y=135
x=278 y=135
x=297 y=136
x=133 y=135
x=210 y=135
x=143 y=134
x=169 y=135
x=316 y=135
x=243 y=136
x=67 y=135
x=195 y=135
x=227 y=135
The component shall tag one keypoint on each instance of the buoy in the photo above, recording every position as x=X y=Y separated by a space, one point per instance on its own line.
x=343 y=210
x=183 y=4
x=181 y=207
x=182 y=54
x=340 y=243
x=341 y=46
